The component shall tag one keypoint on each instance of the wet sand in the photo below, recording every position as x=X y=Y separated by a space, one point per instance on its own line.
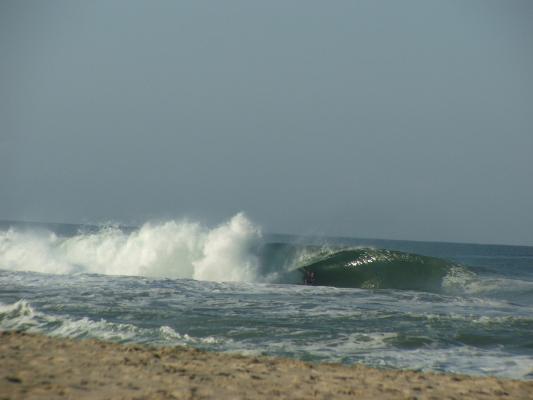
x=40 y=367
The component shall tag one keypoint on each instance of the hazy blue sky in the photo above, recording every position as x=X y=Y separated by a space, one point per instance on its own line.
x=390 y=119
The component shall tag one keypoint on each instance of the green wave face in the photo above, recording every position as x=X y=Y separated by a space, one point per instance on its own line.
x=378 y=269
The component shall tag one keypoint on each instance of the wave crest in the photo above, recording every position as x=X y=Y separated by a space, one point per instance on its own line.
x=171 y=249
x=382 y=269
x=232 y=251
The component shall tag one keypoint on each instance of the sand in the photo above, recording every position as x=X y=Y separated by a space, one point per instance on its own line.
x=41 y=367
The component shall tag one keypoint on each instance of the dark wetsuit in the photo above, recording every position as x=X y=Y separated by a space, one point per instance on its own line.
x=310 y=278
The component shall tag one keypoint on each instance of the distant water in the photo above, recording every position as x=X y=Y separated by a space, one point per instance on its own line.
x=418 y=305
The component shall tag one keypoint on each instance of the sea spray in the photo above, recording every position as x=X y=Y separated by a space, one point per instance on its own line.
x=229 y=252
x=171 y=249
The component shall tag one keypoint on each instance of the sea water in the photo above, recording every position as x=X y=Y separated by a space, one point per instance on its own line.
x=419 y=305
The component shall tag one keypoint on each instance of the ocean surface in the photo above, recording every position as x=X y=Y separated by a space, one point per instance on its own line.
x=465 y=308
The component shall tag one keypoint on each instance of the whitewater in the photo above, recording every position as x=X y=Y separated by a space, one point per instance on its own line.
x=392 y=304
x=170 y=249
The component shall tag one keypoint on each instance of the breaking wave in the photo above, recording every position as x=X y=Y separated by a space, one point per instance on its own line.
x=385 y=269
x=232 y=251
x=171 y=249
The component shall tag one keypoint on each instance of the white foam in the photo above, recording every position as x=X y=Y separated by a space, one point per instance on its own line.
x=466 y=359
x=21 y=316
x=17 y=316
x=232 y=244
x=461 y=281
x=172 y=249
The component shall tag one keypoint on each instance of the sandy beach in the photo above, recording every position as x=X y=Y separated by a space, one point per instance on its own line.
x=41 y=367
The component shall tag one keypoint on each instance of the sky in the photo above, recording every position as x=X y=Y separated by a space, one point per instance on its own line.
x=377 y=119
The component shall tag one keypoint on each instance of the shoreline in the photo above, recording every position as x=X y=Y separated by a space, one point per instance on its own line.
x=34 y=366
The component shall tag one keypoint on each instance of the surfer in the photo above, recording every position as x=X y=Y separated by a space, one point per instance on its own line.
x=310 y=278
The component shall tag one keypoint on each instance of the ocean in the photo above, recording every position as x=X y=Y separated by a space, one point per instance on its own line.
x=429 y=306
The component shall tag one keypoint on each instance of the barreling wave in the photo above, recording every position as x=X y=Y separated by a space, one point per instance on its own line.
x=232 y=251
x=382 y=269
